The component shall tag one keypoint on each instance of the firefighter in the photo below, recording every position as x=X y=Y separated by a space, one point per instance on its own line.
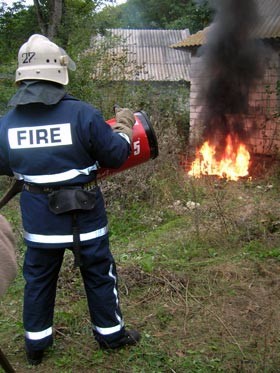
x=8 y=263
x=55 y=143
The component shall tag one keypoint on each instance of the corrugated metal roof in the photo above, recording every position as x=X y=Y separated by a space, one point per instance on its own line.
x=150 y=49
x=194 y=40
x=268 y=27
x=268 y=7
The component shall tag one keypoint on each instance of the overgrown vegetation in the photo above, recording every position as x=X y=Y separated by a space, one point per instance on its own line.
x=198 y=263
x=151 y=14
x=198 y=259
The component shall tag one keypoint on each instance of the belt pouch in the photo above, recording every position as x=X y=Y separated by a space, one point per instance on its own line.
x=72 y=200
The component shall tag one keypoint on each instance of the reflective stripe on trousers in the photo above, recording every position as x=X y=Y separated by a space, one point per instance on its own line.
x=118 y=327
x=107 y=331
x=35 y=336
x=65 y=239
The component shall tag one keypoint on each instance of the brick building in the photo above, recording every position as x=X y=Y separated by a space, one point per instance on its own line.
x=263 y=114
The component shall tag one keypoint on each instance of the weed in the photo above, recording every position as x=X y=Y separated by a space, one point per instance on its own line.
x=199 y=281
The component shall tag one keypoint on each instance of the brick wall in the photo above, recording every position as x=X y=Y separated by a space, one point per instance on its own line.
x=262 y=121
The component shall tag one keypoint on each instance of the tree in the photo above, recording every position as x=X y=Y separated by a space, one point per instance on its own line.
x=19 y=22
x=49 y=15
x=164 y=14
x=194 y=17
x=54 y=15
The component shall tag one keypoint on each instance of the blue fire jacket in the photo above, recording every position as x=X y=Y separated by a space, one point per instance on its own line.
x=54 y=145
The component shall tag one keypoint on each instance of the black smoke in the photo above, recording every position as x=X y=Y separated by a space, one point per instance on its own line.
x=233 y=63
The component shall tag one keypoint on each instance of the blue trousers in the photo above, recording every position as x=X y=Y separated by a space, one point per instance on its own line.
x=41 y=271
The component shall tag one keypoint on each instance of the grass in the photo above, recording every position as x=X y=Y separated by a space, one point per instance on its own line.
x=199 y=281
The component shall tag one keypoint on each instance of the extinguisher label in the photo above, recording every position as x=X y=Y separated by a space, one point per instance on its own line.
x=136 y=147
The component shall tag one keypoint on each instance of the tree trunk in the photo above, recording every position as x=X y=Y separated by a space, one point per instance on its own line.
x=40 y=17
x=49 y=15
x=54 y=17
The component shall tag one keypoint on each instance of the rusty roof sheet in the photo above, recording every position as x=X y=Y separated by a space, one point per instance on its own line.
x=151 y=49
x=268 y=27
x=193 y=40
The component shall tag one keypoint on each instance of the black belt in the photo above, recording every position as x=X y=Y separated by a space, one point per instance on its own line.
x=38 y=189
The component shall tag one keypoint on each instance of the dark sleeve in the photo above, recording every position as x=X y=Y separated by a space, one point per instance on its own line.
x=109 y=148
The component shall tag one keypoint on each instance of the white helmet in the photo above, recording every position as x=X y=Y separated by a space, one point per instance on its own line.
x=41 y=59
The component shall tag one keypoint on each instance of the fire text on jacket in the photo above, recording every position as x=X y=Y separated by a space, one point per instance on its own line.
x=40 y=136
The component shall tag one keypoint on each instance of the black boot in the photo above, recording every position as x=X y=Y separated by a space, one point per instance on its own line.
x=130 y=338
x=34 y=357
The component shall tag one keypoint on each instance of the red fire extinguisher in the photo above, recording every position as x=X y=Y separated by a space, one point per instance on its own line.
x=144 y=144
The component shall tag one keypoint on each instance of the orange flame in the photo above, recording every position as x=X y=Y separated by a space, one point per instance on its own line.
x=232 y=165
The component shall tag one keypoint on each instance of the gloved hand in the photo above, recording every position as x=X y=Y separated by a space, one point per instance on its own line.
x=124 y=121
